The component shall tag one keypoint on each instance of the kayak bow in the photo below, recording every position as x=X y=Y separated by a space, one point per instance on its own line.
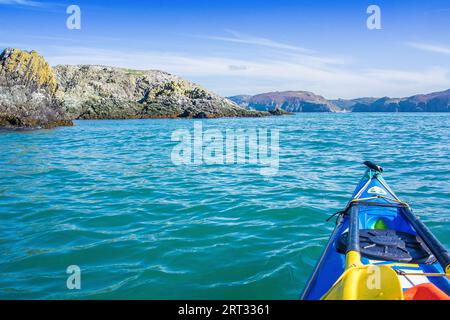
x=380 y=250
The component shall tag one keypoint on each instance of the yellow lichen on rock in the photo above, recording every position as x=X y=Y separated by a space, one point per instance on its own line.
x=32 y=68
x=28 y=91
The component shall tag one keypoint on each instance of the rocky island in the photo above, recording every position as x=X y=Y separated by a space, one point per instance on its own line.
x=33 y=94
x=99 y=92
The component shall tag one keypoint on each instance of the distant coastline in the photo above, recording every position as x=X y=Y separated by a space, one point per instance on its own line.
x=304 y=101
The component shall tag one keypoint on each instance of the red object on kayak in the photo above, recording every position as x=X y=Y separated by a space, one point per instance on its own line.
x=425 y=291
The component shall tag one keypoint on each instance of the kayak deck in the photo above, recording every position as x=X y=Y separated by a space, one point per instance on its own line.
x=386 y=236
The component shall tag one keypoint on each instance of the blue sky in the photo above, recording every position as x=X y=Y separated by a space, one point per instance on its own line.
x=248 y=46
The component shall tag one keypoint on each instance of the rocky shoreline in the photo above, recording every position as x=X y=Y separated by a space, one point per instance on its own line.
x=101 y=92
x=33 y=94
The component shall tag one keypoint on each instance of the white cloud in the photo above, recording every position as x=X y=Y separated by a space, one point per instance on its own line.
x=279 y=67
x=237 y=37
x=261 y=75
x=430 y=47
x=276 y=48
x=25 y=3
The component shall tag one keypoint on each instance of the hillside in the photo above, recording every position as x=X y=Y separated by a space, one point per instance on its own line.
x=291 y=101
x=302 y=101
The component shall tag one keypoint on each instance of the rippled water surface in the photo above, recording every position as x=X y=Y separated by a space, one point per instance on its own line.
x=104 y=195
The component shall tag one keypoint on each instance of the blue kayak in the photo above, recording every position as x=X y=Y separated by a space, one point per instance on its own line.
x=379 y=250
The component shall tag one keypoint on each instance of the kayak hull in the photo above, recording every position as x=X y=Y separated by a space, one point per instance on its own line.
x=379 y=211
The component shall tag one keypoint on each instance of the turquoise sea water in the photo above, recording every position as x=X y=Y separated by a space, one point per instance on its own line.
x=104 y=195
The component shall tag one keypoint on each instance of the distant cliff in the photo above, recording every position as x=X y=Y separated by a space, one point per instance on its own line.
x=32 y=94
x=291 y=101
x=28 y=92
x=347 y=104
x=301 y=101
x=433 y=102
